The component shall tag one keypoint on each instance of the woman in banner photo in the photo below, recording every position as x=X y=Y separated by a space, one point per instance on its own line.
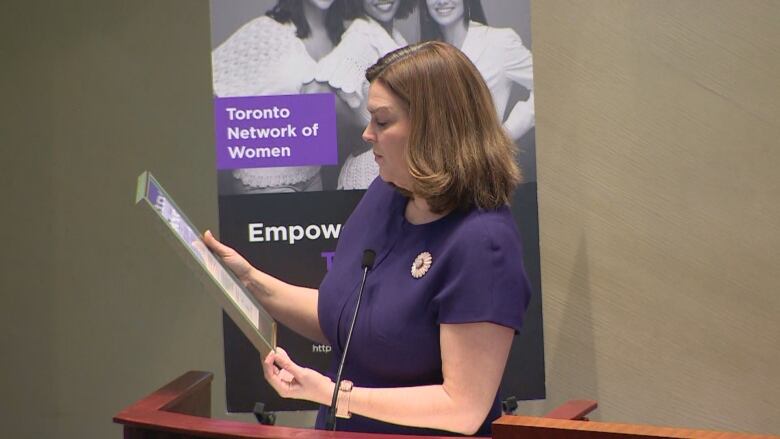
x=447 y=290
x=277 y=54
x=499 y=54
x=366 y=39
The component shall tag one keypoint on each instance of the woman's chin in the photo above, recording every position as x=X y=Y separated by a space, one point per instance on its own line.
x=388 y=179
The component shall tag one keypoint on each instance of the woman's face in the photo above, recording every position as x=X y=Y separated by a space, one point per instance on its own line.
x=388 y=133
x=446 y=12
x=381 y=10
x=321 y=4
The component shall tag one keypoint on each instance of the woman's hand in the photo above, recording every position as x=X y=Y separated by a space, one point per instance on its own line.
x=293 y=381
x=237 y=264
x=293 y=306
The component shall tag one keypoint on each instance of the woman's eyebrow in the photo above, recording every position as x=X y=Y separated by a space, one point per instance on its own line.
x=375 y=109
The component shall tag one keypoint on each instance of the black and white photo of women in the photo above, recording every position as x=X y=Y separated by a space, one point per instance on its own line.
x=276 y=53
x=277 y=48
x=323 y=46
x=371 y=35
x=500 y=54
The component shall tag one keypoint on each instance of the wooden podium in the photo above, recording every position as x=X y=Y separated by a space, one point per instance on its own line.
x=181 y=410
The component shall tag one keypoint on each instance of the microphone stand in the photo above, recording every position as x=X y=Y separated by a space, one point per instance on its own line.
x=367 y=264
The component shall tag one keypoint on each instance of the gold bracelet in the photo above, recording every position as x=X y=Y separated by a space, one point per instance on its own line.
x=342 y=403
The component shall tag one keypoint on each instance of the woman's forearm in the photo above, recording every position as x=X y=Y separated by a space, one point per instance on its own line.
x=424 y=406
x=473 y=360
x=293 y=306
x=521 y=119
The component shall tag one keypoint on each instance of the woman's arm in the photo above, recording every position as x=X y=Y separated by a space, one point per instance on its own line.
x=521 y=119
x=473 y=359
x=518 y=65
x=291 y=305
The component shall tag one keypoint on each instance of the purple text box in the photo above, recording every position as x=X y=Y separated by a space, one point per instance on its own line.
x=273 y=131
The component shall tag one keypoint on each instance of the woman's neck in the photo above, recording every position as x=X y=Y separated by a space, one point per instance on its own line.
x=315 y=16
x=455 y=33
x=386 y=25
x=418 y=212
x=318 y=42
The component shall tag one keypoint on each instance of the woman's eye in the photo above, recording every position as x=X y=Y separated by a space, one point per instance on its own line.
x=381 y=124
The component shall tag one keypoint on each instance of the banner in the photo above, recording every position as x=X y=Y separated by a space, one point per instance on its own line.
x=289 y=110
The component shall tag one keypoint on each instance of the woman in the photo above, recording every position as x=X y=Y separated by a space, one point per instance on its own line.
x=431 y=343
x=499 y=54
x=367 y=38
x=277 y=54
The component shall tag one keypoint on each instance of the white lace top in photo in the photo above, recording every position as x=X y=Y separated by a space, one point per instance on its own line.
x=344 y=68
x=264 y=57
x=358 y=171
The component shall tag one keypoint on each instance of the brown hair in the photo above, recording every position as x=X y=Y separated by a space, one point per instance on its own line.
x=458 y=154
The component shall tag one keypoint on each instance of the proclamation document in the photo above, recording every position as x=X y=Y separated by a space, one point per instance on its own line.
x=238 y=303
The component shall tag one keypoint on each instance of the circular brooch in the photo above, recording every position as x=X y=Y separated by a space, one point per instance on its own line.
x=421 y=265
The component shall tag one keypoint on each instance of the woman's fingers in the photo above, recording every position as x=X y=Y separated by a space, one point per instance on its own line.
x=270 y=369
x=282 y=359
x=282 y=373
x=293 y=381
x=235 y=262
x=272 y=374
x=268 y=361
x=288 y=370
x=217 y=247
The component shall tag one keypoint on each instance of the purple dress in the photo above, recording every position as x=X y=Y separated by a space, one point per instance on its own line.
x=476 y=275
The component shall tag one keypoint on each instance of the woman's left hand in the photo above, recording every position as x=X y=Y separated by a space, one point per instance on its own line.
x=293 y=381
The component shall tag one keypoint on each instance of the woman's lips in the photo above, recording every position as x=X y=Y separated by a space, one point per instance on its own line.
x=384 y=6
x=444 y=10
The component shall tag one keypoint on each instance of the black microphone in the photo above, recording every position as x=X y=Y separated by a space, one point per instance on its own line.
x=367 y=263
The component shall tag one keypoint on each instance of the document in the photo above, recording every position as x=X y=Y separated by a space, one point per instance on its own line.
x=238 y=303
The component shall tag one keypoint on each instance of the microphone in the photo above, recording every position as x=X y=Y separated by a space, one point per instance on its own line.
x=367 y=264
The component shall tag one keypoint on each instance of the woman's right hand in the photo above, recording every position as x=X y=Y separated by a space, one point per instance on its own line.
x=290 y=305
x=237 y=264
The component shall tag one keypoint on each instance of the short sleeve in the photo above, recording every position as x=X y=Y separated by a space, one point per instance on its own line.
x=485 y=277
x=344 y=68
x=518 y=62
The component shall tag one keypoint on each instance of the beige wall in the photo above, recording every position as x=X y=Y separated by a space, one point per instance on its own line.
x=657 y=139
x=659 y=198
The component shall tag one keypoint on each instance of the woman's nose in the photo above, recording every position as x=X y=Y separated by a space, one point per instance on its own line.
x=368 y=135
